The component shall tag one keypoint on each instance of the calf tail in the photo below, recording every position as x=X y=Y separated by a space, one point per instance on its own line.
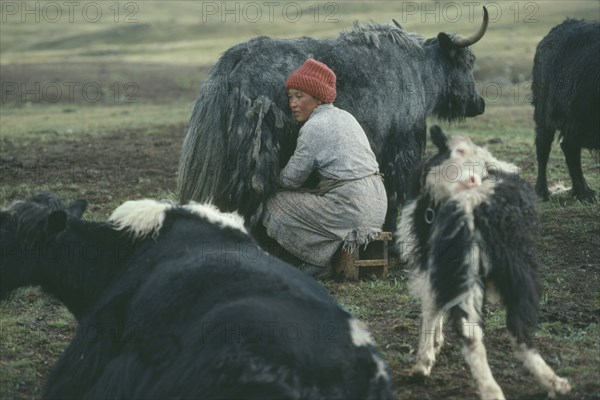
x=515 y=277
x=520 y=294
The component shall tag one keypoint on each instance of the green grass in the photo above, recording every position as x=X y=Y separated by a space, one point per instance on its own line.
x=30 y=321
x=361 y=298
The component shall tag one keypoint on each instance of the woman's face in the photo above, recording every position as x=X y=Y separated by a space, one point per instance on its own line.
x=301 y=104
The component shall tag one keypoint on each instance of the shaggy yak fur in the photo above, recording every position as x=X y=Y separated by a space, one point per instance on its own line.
x=242 y=133
x=566 y=97
x=469 y=231
x=179 y=302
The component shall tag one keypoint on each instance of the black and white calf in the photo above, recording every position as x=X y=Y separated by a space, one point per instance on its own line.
x=467 y=232
x=179 y=302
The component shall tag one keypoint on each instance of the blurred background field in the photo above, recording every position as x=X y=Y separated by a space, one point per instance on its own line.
x=165 y=48
x=95 y=98
x=195 y=33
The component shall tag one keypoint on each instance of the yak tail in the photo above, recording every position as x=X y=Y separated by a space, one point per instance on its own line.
x=231 y=152
x=204 y=149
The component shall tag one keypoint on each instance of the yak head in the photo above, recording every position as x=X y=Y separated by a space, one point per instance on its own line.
x=459 y=97
x=28 y=229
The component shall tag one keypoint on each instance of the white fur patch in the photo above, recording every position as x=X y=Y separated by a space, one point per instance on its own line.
x=381 y=372
x=470 y=199
x=476 y=357
x=140 y=217
x=558 y=188
x=432 y=338
x=407 y=242
x=361 y=337
x=214 y=215
x=359 y=333
x=464 y=172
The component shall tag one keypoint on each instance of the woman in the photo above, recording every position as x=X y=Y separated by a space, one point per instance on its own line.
x=349 y=204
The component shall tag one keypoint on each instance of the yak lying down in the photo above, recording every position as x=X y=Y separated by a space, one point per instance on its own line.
x=183 y=304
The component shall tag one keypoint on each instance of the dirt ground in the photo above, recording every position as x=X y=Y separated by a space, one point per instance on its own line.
x=129 y=164
x=133 y=164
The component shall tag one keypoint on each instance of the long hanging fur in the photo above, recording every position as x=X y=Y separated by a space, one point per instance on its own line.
x=241 y=131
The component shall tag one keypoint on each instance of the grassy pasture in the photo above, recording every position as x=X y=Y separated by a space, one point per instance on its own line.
x=95 y=106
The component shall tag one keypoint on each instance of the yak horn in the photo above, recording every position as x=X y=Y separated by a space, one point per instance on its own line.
x=397 y=24
x=474 y=38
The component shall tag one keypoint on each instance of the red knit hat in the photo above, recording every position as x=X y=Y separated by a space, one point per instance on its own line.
x=314 y=78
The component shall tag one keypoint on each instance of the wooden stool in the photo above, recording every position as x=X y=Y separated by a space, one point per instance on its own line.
x=373 y=259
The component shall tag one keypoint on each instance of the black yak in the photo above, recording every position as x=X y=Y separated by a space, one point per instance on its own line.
x=469 y=231
x=566 y=97
x=242 y=132
x=179 y=302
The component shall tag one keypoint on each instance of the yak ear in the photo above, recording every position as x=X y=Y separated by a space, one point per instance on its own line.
x=438 y=138
x=445 y=43
x=77 y=208
x=56 y=222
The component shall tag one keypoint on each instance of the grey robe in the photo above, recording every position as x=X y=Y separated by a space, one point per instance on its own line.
x=350 y=206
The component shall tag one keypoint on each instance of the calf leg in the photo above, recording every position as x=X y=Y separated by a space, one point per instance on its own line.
x=466 y=317
x=543 y=144
x=430 y=342
x=521 y=297
x=521 y=317
x=572 y=152
x=541 y=371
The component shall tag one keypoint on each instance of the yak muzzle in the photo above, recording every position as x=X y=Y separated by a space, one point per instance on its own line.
x=475 y=108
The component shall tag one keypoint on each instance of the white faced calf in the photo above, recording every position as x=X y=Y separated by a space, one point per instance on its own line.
x=469 y=227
